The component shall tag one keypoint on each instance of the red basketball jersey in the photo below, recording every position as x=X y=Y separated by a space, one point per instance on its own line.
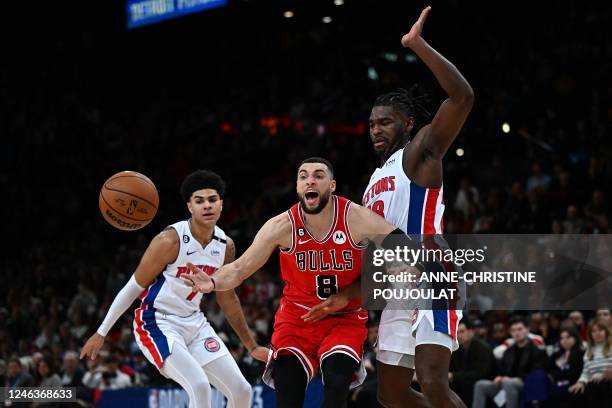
x=313 y=270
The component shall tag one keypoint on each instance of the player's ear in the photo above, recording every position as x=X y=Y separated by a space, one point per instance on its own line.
x=409 y=124
x=332 y=186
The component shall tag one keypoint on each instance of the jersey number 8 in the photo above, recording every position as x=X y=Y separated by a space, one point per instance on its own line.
x=327 y=285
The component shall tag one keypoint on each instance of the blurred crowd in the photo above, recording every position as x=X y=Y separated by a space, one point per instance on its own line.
x=100 y=100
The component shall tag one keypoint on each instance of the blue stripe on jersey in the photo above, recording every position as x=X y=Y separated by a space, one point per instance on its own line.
x=415 y=209
x=160 y=340
x=440 y=321
x=154 y=290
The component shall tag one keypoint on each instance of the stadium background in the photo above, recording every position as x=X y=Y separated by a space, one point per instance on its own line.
x=248 y=93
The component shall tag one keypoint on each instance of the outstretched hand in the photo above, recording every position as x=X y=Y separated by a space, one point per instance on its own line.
x=330 y=305
x=415 y=32
x=197 y=279
x=260 y=353
x=92 y=346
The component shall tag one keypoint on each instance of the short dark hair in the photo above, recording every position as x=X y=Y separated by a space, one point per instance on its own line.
x=467 y=323
x=516 y=320
x=201 y=179
x=319 y=160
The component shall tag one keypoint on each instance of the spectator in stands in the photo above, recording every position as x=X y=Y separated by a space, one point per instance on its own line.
x=595 y=382
x=577 y=318
x=604 y=315
x=473 y=361
x=16 y=376
x=72 y=374
x=565 y=366
x=107 y=376
x=46 y=375
x=518 y=361
x=2 y=373
x=538 y=180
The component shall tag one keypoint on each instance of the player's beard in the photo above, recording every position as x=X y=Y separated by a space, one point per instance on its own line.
x=396 y=144
x=323 y=199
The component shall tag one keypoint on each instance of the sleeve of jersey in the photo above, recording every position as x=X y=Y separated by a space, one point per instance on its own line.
x=123 y=300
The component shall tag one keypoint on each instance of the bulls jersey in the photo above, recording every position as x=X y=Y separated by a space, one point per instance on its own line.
x=168 y=293
x=408 y=206
x=315 y=269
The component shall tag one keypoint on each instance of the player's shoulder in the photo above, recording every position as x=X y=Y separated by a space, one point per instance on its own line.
x=168 y=237
x=280 y=223
x=357 y=211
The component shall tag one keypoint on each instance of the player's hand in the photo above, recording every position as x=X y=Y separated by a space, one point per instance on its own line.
x=577 y=388
x=597 y=378
x=415 y=32
x=92 y=346
x=260 y=353
x=197 y=279
x=330 y=305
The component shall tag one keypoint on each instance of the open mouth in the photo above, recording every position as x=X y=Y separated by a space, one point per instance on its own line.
x=311 y=197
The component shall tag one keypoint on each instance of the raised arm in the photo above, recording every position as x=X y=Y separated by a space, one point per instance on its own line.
x=230 y=304
x=450 y=117
x=275 y=233
x=162 y=251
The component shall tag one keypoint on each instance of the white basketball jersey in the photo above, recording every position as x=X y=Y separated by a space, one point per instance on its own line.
x=408 y=206
x=168 y=293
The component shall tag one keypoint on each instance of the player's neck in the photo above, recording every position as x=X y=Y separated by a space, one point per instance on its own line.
x=202 y=233
x=319 y=224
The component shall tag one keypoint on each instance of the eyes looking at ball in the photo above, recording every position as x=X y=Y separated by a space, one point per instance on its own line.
x=314 y=187
x=205 y=206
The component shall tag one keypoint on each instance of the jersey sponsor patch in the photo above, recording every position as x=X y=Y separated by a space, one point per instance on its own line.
x=211 y=344
x=339 y=237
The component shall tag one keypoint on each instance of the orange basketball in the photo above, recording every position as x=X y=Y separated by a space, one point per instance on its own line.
x=128 y=200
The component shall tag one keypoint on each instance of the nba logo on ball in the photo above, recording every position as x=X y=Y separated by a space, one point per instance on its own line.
x=211 y=344
x=339 y=237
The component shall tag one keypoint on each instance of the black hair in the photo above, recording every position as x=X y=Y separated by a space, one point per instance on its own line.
x=319 y=160
x=517 y=319
x=405 y=102
x=467 y=323
x=201 y=179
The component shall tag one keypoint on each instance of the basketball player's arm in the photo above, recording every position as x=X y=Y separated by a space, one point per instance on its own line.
x=364 y=224
x=230 y=304
x=275 y=232
x=450 y=117
x=162 y=251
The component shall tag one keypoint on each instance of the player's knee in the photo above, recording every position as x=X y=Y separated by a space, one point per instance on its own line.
x=242 y=394
x=433 y=385
x=390 y=397
x=201 y=389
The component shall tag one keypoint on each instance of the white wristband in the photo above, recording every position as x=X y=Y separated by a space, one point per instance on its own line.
x=123 y=300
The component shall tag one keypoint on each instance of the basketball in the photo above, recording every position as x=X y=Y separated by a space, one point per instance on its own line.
x=128 y=200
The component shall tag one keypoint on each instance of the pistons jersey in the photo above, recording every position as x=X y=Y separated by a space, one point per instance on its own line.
x=168 y=293
x=396 y=198
x=315 y=269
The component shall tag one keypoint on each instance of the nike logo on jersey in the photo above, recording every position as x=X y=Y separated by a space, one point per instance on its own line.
x=190 y=253
x=300 y=242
